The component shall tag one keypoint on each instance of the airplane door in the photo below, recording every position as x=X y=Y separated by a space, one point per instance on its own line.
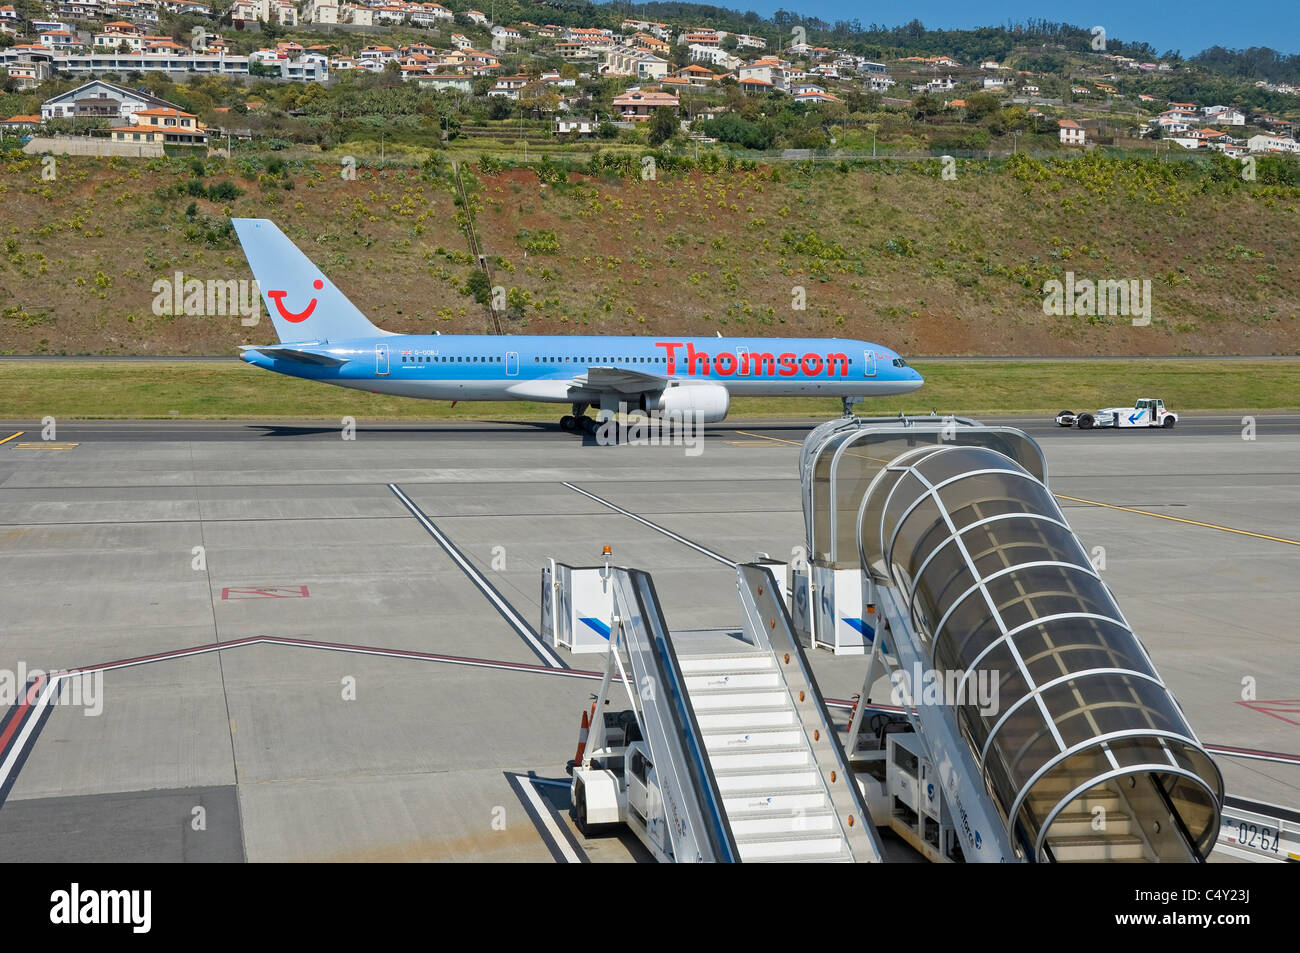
x=512 y=363
x=868 y=363
x=742 y=361
x=381 y=360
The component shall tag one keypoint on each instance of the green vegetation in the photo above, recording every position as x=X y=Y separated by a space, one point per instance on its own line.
x=144 y=390
x=886 y=251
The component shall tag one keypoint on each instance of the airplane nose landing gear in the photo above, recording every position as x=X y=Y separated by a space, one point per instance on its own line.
x=848 y=405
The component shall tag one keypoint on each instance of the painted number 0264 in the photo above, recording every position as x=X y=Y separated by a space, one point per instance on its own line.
x=1257 y=836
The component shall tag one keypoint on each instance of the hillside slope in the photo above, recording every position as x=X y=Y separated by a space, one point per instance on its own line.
x=890 y=253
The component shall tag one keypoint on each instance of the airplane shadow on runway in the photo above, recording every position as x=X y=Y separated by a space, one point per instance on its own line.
x=498 y=428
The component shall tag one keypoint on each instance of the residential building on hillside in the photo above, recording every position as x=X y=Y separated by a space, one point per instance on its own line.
x=100 y=100
x=638 y=105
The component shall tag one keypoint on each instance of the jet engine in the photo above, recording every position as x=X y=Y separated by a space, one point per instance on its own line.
x=707 y=403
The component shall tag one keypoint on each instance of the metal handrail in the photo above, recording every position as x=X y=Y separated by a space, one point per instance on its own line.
x=757 y=583
x=674 y=735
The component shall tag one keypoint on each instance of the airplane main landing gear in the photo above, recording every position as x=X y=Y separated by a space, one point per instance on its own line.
x=578 y=420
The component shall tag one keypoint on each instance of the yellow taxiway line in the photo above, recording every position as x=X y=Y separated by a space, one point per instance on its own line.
x=1113 y=506
x=1180 y=519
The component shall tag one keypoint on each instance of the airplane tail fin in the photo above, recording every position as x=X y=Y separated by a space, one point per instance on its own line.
x=303 y=304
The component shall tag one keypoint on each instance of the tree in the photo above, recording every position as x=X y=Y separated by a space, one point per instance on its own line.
x=663 y=126
x=479 y=286
x=539 y=97
x=979 y=105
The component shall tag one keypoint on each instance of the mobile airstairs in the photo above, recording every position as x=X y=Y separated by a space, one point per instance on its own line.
x=728 y=753
x=1008 y=712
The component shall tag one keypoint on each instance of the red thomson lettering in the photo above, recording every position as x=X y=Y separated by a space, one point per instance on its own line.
x=837 y=365
x=787 y=364
x=669 y=348
x=730 y=367
x=754 y=364
x=811 y=364
x=696 y=359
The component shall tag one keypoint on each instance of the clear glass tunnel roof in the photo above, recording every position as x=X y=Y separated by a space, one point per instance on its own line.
x=1001 y=592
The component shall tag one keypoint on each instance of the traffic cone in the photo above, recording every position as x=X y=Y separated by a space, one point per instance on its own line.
x=582 y=739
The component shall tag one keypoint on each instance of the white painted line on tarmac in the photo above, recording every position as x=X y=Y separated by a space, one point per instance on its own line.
x=507 y=612
x=654 y=526
x=548 y=821
x=33 y=719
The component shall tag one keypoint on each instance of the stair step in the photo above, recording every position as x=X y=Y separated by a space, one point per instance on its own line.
x=782 y=821
x=782 y=846
x=1062 y=784
x=746 y=739
x=1096 y=847
x=701 y=664
x=713 y=681
x=744 y=719
x=761 y=759
x=1079 y=823
x=730 y=698
x=745 y=803
x=1044 y=801
x=768 y=781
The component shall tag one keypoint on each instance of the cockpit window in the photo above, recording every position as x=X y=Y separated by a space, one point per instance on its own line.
x=899 y=362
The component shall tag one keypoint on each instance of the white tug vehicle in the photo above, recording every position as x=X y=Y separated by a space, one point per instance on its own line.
x=1147 y=412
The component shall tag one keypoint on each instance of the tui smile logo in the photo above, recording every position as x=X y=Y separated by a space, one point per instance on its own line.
x=304 y=314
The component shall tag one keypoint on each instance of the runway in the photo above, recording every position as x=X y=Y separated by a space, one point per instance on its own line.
x=151 y=431
x=313 y=648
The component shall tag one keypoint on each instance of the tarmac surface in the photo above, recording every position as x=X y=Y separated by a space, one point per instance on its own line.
x=301 y=647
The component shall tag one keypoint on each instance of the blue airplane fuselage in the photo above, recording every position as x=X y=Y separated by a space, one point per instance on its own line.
x=553 y=367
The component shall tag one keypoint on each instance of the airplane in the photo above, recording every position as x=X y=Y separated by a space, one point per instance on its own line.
x=325 y=337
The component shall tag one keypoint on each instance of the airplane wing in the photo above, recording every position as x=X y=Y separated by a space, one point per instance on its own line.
x=619 y=381
x=295 y=354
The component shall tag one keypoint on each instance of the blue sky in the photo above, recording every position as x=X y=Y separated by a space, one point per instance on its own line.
x=1189 y=25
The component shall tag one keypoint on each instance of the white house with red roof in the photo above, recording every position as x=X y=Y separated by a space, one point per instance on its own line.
x=638 y=105
x=814 y=95
x=167 y=126
x=1072 y=134
x=1267 y=143
x=59 y=40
